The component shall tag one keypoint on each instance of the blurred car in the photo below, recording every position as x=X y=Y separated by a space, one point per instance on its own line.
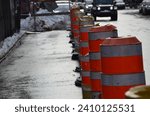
x=88 y=6
x=120 y=4
x=80 y=4
x=62 y=7
x=145 y=7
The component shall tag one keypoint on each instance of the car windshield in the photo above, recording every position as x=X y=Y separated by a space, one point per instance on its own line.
x=103 y=1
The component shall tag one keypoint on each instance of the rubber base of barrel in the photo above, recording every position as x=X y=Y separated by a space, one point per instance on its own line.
x=78 y=69
x=71 y=41
x=78 y=82
x=75 y=57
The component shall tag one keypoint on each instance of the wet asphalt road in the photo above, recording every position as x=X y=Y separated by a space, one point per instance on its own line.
x=130 y=22
x=41 y=66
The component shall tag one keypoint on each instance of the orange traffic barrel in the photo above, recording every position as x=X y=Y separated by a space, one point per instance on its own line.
x=84 y=32
x=76 y=24
x=138 y=92
x=122 y=55
x=97 y=35
x=72 y=17
x=86 y=84
x=84 y=63
x=72 y=13
x=84 y=48
x=86 y=78
x=96 y=85
x=86 y=22
x=122 y=66
x=85 y=75
x=84 y=38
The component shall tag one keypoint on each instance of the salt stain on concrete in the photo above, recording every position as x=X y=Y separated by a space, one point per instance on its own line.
x=40 y=67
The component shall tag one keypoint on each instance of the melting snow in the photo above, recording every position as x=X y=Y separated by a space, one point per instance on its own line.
x=46 y=23
x=9 y=42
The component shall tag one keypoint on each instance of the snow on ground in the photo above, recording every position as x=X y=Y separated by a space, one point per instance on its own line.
x=45 y=23
x=9 y=42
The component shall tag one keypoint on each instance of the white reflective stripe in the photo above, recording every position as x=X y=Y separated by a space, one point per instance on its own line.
x=84 y=58
x=84 y=44
x=85 y=73
x=102 y=35
x=123 y=80
x=121 y=50
x=96 y=95
x=95 y=55
x=95 y=75
x=85 y=29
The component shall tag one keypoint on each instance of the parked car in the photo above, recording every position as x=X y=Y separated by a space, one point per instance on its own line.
x=120 y=4
x=132 y=3
x=145 y=7
x=88 y=6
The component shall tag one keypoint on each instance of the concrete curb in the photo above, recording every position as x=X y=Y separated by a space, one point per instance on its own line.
x=3 y=57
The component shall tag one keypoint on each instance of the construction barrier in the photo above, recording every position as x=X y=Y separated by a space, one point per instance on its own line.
x=97 y=35
x=72 y=18
x=86 y=22
x=76 y=25
x=122 y=66
x=138 y=92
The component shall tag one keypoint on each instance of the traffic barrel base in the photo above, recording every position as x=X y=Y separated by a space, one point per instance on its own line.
x=75 y=56
x=78 y=82
x=78 y=69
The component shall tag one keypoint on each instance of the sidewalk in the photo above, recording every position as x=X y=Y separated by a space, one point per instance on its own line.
x=40 y=68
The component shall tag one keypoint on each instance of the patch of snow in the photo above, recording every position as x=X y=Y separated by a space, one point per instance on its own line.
x=9 y=42
x=45 y=23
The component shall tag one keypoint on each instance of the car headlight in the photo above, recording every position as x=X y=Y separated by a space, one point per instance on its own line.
x=147 y=6
x=86 y=7
x=111 y=8
x=99 y=8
